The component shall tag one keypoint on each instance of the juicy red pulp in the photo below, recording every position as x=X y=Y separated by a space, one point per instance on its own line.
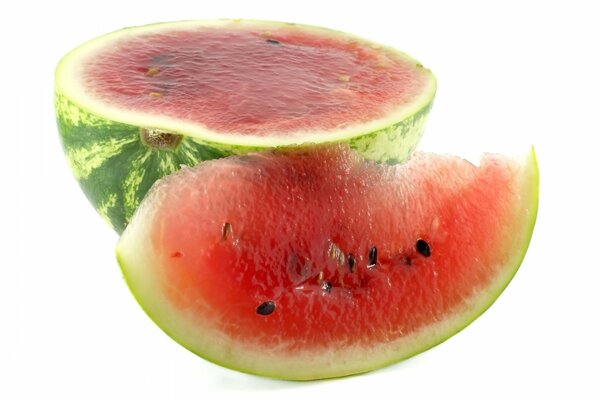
x=338 y=245
x=250 y=80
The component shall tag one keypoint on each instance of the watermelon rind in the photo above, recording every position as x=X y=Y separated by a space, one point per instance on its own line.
x=133 y=254
x=115 y=168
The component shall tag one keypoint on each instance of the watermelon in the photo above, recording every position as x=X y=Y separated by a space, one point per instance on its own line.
x=136 y=104
x=314 y=263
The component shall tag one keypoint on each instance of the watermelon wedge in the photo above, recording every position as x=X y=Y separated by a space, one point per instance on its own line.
x=134 y=105
x=315 y=263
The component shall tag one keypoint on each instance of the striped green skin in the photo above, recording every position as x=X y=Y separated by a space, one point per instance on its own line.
x=115 y=168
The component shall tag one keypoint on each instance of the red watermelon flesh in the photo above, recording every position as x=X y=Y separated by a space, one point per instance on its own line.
x=312 y=264
x=253 y=78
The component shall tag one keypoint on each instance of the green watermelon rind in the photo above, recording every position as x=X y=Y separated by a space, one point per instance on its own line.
x=115 y=168
x=94 y=147
x=424 y=339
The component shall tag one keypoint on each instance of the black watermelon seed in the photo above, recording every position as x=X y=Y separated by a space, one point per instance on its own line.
x=407 y=260
x=423 y=248
x=266 y=308
x=351 y=262
x=326 y=286
x=273 y=41
x=372 y=256
x=226 y=230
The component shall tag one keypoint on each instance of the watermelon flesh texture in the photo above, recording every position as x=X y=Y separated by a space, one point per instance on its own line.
x=252 y=79
x=314 y=264
x=249 y=81
x=134 y=105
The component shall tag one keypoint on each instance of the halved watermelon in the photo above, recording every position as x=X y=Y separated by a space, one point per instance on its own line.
x=315 y=263
x=134 y=105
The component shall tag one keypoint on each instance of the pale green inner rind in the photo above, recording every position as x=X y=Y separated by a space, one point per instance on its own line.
x=199 y=336
x=68 y=85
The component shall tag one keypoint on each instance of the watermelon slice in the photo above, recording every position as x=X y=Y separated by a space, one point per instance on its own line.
x=134 y=105
x=315 y=264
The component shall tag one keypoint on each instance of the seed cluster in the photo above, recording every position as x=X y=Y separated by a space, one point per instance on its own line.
x=334 y=252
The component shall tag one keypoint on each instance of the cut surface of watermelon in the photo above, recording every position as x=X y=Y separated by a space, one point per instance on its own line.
x=315 y=264
x=239 y=81
x=134 y=105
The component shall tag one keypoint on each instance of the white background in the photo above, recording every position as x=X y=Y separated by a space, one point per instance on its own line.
x=510 y=74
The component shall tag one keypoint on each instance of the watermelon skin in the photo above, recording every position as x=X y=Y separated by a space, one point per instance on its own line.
x=138 y=257
x=115 y=169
